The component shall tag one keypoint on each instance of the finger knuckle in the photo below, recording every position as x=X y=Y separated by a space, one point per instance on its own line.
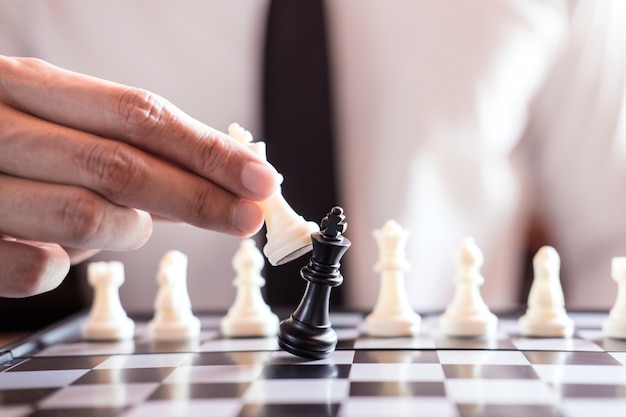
x=82 y=217
x=32 y=270
x=214 y=154
x=201 y=202
x=141 y=111
x=114 y=166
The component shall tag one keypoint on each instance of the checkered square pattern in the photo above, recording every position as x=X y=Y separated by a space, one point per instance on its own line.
x=427 y=375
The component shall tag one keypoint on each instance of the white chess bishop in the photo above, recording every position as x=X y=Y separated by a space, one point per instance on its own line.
x=392 y=315
x=288 y=233
x=107 y=319
x=249 y=315
x=546 y=315
x=615 y=325
x=467 y=314
x=173 y=319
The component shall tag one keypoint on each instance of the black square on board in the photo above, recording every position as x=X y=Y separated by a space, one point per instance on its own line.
x=512 y=410
x=24 y=396
x=289 y=410
x=199 y=390
x=489 y=371
x=305 y=371
x=227 y=358
x=123 y=376
x=78 y=412
x=570 y=358
x=591 y=391
x=395 y=356
x=397 y=389
x=59 y=363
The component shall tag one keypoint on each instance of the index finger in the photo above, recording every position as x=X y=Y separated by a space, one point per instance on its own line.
x=137 y=117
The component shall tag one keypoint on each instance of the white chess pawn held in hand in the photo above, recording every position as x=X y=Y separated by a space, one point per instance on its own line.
x=288 y=233
x=107 y=319
x=615 y=325
x=467 y=314
x=249 y=316
x=393 y=315
x=173 y=319
x=546 y=315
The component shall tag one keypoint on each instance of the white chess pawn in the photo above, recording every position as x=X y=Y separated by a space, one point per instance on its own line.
x=249 y=315
x=107 y=319
x=615 y=325
x=288 y=233
x=173 y=319
x=468 y=315
x=546 y=315
x=392 y=315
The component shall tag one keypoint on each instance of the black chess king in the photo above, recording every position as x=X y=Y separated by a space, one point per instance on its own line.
x=308 y=332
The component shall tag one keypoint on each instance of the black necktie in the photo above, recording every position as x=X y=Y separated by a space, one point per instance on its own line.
x=298 y=124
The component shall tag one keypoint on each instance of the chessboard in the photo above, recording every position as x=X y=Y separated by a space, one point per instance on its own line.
x=55 y=372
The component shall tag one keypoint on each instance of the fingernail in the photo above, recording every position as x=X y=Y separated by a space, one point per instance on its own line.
x=247 y=217
x=260 y=179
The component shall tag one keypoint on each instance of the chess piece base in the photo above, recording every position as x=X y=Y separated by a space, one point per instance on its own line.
x=398 y=325
x=306 y=341
x=535 y=325
x=263 y=325
x=292 y=243
x=175 y=330
x=121 y=329
x=614 y=328
x=479 y=324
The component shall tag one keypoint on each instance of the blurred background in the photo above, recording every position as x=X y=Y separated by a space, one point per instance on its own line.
x=503 y=120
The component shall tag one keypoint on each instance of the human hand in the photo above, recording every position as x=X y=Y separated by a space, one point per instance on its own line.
x=85 y=164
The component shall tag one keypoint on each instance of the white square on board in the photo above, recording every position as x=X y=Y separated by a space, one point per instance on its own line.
x=481 y=357
x=214 y=407
x=413 y=372
x=499 y=391
x=398 y=407
x=582 y=374
x=39 y=379
x=214 y=373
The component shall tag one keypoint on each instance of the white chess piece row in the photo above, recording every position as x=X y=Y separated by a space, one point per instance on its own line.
x=467 y=314
x=393 y=316
x=173 y=319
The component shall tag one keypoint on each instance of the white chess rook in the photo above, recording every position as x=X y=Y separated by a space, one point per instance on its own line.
x=249 y=315
x=615 y=325
x=546 y=315
x=467 y=314
x=288 y=233
x=107 y=319
x=392 y=315
x=173 y=319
